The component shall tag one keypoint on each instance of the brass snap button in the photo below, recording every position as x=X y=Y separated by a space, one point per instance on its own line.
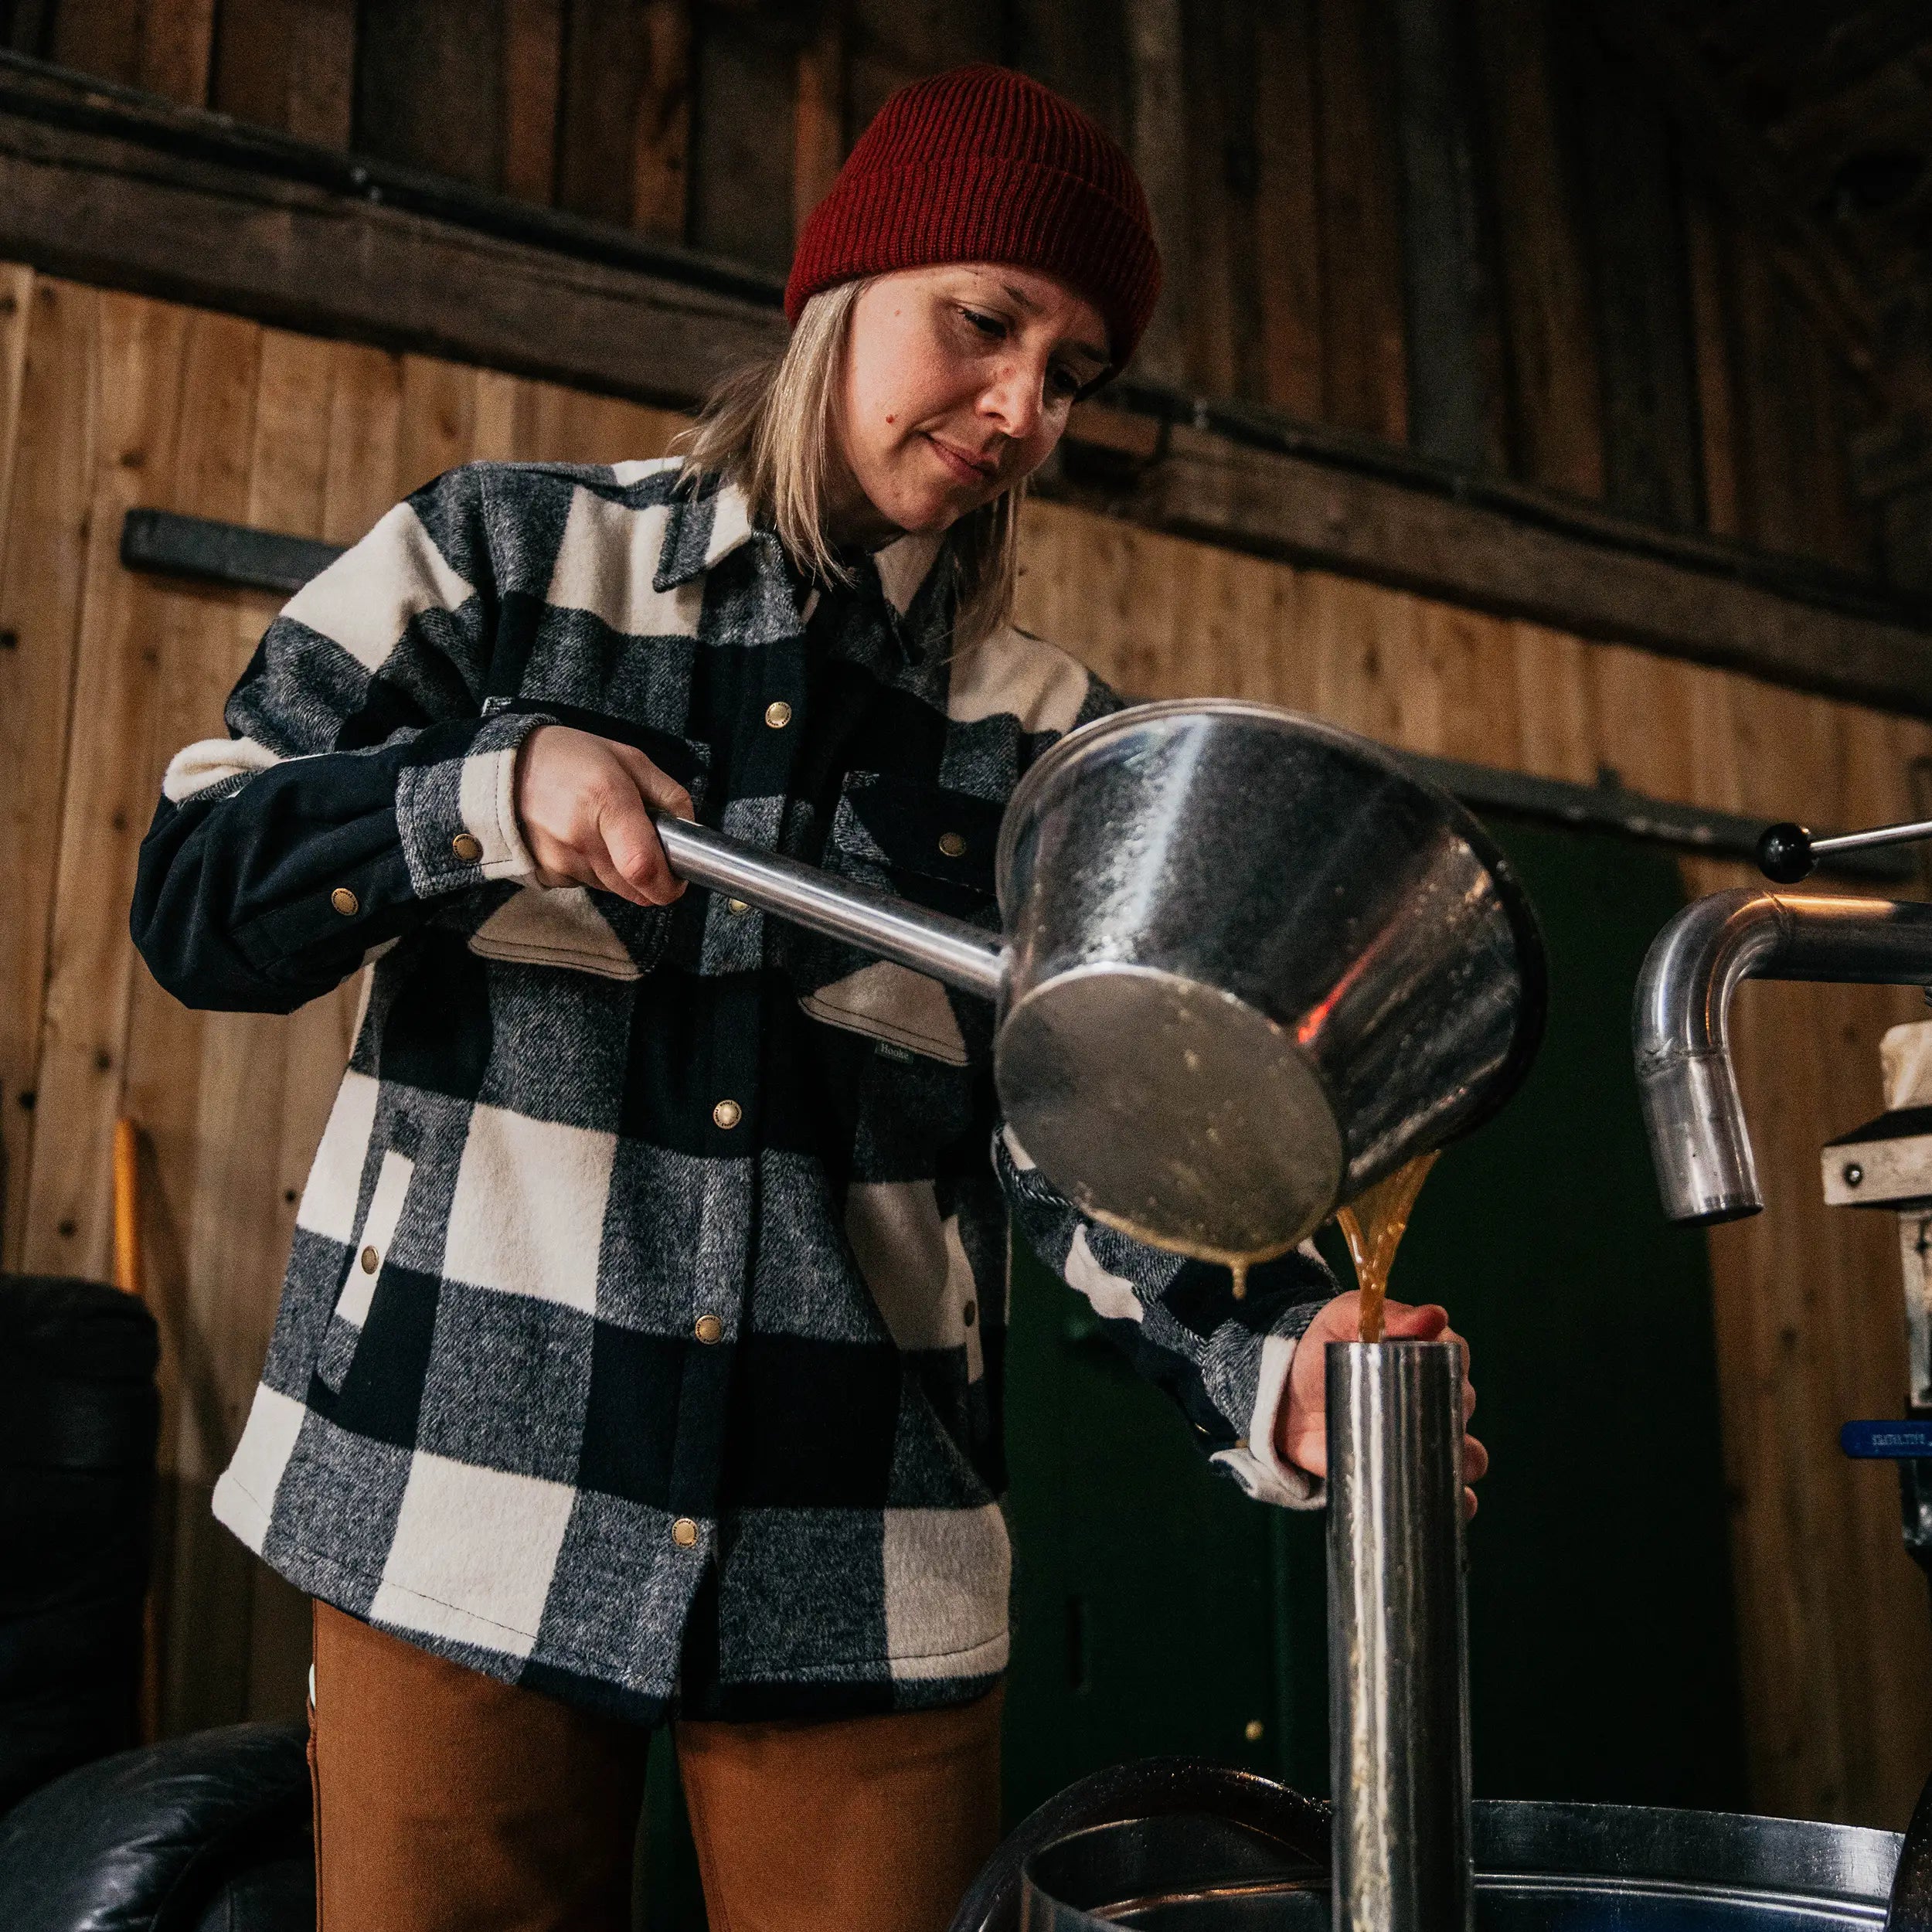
x=468 y=847
x=345 y=902
x=952 y=845
x=683 y=1533
x=727 y=1114
x=737 y=905
x=708 y=1328
x=777 y=714
x=371 y=1261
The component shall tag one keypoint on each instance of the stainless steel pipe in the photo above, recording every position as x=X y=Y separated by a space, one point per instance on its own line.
x=1398 y=1642
x=1698 y=1142
x=929 y=942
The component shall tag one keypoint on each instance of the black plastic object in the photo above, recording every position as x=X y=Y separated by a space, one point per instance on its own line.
x=207 y=1833
x=1784 y=854
x=1152 y=1787
x=79 y=1416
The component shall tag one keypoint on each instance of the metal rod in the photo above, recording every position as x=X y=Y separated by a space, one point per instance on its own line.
x=1698 y=1142
x=1398 y=1644
x=962 y=955
x=1878 y=835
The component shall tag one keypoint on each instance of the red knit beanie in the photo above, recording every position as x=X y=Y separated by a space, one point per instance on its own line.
x=982 y=164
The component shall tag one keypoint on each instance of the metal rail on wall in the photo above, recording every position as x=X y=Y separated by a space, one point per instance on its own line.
x=239 y=557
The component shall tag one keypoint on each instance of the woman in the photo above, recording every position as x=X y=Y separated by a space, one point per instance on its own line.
x=640 y=1350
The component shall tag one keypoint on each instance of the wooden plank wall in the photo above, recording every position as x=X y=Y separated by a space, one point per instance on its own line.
x=108 y=400
x=1629 y=338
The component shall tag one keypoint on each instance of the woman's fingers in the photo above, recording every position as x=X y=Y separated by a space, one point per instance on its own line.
x=1308 y=1449
x=585 y=804
x=631 y=840
x=1402 y=1323
x=659 y=789
x=1430 y=1322
x=599 y=868
x=1475 y=1460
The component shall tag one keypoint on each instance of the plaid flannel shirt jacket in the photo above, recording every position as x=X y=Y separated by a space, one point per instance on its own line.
x=642 y=1336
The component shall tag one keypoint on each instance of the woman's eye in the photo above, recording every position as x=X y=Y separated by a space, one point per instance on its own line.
x=987 y=325
x=1064 y=383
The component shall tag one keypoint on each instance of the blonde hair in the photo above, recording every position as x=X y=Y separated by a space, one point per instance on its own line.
x=773 y=430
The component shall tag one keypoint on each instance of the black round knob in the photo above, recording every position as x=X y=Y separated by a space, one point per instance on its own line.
x=1784 y=854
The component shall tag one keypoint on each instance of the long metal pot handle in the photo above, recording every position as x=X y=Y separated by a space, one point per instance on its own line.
x=949 y=949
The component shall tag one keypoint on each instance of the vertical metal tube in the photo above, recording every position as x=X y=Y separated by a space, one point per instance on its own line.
x=1398 y=1646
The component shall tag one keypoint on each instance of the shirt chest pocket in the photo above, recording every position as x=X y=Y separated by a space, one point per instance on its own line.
x=935 y=847
x=575 y=927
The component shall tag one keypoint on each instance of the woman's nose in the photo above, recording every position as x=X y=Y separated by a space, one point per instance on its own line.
x=1013 y=398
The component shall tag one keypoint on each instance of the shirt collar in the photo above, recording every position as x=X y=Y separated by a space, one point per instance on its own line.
x=705 y=524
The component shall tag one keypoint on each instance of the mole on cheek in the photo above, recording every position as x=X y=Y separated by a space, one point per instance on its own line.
x=892 y=419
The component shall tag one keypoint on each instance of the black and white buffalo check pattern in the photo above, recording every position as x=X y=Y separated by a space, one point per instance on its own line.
x=582 y=1376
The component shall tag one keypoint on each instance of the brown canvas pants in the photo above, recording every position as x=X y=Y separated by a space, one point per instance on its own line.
x=446 y=1801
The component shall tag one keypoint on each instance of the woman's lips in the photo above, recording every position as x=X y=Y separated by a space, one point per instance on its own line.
x=962 y=466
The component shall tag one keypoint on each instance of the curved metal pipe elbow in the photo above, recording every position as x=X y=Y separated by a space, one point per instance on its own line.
x=1699 y=1142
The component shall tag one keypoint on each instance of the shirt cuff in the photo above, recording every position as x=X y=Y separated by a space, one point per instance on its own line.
x=1254 y=1461
x=458 y=816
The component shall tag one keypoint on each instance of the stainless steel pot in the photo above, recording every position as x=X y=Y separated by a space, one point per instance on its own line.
x=1251 y=965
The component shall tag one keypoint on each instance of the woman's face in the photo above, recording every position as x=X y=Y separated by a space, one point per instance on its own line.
x=958 y=380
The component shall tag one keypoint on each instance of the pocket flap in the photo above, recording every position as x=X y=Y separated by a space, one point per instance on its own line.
x=892 y=1003
x=561 y=926
x=573 y=926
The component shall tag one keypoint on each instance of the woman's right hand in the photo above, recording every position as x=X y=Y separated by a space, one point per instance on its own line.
x=585 y=803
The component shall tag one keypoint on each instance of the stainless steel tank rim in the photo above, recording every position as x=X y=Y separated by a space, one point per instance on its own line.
x=1565 y=1884
x=1531 y=959
x=1572 y=1884
x=1840 y=1873
x=1077 y=744
x=1742 y=1849
x=1829 y=1911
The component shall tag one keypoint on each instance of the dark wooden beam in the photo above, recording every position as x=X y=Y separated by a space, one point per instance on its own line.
x=1231 y=477
x=108 y=188
x=105 y=188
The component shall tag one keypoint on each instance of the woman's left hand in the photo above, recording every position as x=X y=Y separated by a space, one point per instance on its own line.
x=1301 y=1424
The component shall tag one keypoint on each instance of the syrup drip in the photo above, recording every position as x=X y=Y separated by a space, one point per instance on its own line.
x=1373 y=1225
